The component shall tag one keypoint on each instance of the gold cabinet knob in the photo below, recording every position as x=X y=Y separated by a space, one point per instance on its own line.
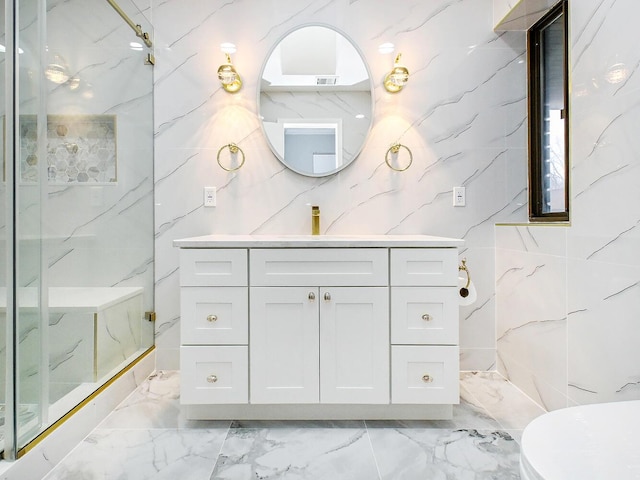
x=427 y=378
x=426 y=317
x=312 y=296
x=212 y=318
x=212 y=379
x=327 y=296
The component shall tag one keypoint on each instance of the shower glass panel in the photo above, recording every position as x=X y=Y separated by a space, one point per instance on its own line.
x=4 y=238
x=84 y=204
x=30 y=299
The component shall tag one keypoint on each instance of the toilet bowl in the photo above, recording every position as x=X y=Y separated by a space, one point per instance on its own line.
x=600 y=441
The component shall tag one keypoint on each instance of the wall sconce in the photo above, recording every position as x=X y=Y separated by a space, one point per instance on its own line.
x=230 y=79
x=397 y=77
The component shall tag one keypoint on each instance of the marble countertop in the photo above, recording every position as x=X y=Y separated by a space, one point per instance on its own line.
x=316 y=241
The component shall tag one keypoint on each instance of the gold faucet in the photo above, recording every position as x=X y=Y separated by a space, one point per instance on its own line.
x=315 y=220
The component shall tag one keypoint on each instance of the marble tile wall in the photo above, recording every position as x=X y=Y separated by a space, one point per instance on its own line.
x=519 y=14
x=593 y=265
x=89 y=236
x=92 y=235
x=462 y=114
x=531 y=311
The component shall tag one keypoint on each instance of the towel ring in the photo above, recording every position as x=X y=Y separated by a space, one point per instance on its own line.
x=234 y=149
x=464 y=291
x=394 y=149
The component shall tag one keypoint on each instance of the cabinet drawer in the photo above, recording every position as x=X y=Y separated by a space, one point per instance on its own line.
x=214 y=315
x=425 y=374
x=205 y=267
x=424 y=266
x=214 y=375
x=424 y=315
x=319 y=266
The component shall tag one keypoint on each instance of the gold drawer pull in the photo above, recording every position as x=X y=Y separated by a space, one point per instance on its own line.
x=426 y=317
x=212 y=379
x=212 y=318
x=427 y=378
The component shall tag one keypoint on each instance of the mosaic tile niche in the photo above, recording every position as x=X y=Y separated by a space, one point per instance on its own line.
x=81 y=149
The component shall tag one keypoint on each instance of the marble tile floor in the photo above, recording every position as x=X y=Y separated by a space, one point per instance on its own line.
x=147 y=437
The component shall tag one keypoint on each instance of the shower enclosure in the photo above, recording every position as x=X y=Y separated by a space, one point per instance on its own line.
x=76 y=223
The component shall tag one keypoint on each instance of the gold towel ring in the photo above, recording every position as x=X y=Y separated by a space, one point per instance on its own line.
x=394 y=149
x=234 y=149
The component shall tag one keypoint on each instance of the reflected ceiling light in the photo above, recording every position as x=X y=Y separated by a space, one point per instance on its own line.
x=3 y=49
x=386 y=48
x=397 y=78
x=360 y=115
x=229 y=77
x=136 y=46
x=57 y=71
x=228 y=47
x=617 y=73
x=74 y=83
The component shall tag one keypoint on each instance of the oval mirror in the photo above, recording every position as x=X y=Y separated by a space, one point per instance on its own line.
x=315 y=100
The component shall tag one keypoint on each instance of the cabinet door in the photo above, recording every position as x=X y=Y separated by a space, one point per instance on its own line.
x=354 y=345
x=284 y=344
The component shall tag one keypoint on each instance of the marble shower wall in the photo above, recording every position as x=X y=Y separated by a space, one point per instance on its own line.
x=573 y=337
x=462 y=114
x=93 y=234
x=100 y=235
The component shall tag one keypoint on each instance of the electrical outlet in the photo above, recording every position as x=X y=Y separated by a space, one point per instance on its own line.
x=459 y=197
x=209 y=196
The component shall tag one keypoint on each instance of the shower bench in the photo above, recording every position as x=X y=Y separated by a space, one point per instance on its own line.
x=92 y=331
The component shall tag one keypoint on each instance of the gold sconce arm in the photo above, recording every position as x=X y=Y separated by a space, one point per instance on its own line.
x=233 y=150
x=393 y=151
x=229 y=77
x=397 y=78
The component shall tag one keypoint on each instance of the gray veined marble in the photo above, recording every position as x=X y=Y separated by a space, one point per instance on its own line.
x=409 y=454
x=295 y=453
x=146 y=437
x=142 y=454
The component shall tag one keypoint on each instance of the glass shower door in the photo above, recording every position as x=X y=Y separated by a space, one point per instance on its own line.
x=29 y=276
x=80 y=267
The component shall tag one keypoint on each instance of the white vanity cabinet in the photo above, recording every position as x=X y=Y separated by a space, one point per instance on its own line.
x=317 y=337
x=424 y=326
x=325 y=327
x=319 y=345
x=214 y=326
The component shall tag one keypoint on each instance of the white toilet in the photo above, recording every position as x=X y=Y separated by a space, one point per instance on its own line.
x=600 y=441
